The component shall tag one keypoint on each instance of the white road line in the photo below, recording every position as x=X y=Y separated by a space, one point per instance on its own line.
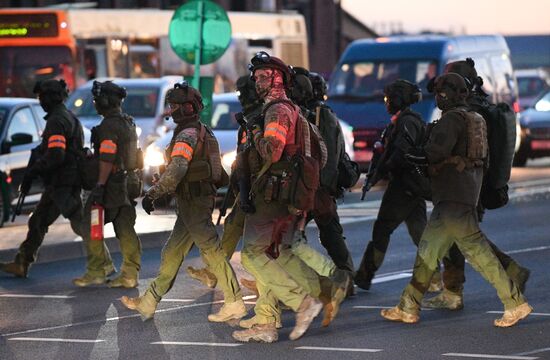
x=531 y=314
x=382 y=279
x=55 y=340
x=102 y=321
x=381 y=307
x=487 y=356
x=30 y=296
x=177 y=300
x=534 y=351
x=519 y=251
x=190 y=343
x=337 y=349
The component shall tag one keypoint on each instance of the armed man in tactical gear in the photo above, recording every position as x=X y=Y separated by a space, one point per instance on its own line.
x=56 y=164
x=115 y=149
x=247 y=159
x=453 y=275
x=272 y=223
x=455 y=155
x=402 y=200
x=193 y=173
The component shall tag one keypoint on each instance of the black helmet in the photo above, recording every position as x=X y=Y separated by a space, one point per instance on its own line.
x=450 y=90
x=183 y=93
x=319 y=84
x=263 y=60
x=55 y=89
x=108 y=94
x=466 y=68
x=402 y=93
x=302 y=89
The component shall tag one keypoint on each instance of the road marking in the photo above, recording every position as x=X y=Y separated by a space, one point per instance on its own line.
x=534 y=351
x=382 y=279
x=527 y=183
x=177 y=300
x=55 y=340
x=30 y=296
x=102 y=321
x=487 y=356
x=519 y=251
x=381 y=307
x=337 y=349
x=531 y=314
x=190 y=343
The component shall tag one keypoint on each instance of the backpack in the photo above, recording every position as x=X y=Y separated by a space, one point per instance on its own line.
x=501 y=134
x=348 y=172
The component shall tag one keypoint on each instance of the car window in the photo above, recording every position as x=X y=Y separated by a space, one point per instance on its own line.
x=223 y=115
x=530 y=86
x=40 y=113
x=22 y=122
x=140 y=102
x=544 y=103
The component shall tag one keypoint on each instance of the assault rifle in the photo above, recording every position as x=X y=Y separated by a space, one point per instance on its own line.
x=35 y=154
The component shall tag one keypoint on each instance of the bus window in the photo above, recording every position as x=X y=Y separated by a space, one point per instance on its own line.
x=23 y=66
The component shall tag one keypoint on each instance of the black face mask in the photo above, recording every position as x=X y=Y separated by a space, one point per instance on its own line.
x=48 y=101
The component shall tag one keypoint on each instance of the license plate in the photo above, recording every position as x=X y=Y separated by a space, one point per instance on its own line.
x=540 y=144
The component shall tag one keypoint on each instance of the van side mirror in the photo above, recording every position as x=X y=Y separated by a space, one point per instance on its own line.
x=20 y=139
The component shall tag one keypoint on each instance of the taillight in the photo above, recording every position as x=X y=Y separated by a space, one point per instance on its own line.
x=516 y=106
x=360 y=144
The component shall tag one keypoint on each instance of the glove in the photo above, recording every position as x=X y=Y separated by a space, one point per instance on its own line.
x=148 y=204
x=26 y=184
x=417 y=156
x=97 y=194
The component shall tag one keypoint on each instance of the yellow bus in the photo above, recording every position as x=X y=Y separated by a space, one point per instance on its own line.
x=82 y=44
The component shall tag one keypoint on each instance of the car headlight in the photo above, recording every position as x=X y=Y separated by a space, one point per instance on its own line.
x=154 y=156
x=228 y=159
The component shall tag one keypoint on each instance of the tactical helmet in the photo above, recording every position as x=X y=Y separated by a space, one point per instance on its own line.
x=56 y=90
x=451 y=90
x=302 y=89
x=402 y=93
x=263 y=60
x=184 y=93
x=247 y=91
x=108 y=94
x=466 y=68
x=319 y=84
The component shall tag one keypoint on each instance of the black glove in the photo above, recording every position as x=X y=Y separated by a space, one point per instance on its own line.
x=26 y=183
x=417 y=156
x=148 y=204
x=97 y=194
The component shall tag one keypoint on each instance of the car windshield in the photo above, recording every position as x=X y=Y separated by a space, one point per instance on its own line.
x=530 y=86
x=140 y=102
x=366 y=80
x=223 y=115
x=22 y=67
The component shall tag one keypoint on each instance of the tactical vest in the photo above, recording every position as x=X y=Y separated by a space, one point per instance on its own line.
x=477 y=150
x=205 y=166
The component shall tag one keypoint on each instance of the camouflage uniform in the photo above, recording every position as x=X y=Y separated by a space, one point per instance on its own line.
x=56 y=165
x=456 y=177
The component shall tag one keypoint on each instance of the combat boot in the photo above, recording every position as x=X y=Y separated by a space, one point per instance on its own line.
x=249 y=323
x=266 y=333
x=146 y=305
x=250 y=285
x=229 y=311
x=203 y=275
x=123 y=281
x=15 y=268
x=445 y=300
x=363 y=280
x=511 y=317
x=341 y=281
x=396 y=314
x=109 y=269
x=308 y=310
x=87 y=280
x=436 y=284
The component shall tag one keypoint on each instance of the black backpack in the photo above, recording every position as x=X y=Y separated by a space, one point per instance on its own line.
x=501 y=133
x=348 y=172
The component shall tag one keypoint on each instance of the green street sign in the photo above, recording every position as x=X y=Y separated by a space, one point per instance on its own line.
x=206 y=88
x=199 y=30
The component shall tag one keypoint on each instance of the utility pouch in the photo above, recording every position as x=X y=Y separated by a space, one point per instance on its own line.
x=135 y=184
x=139 y=159
x=268 y=192
x=305 y=182
x=198 y=170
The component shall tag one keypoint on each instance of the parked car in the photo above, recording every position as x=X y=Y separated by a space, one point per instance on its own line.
x=531 y=83
x=535 y=131
x=145 y=103
x=224 y=125
x=367 y=65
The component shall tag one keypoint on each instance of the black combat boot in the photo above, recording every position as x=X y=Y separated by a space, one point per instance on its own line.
x=15 y=268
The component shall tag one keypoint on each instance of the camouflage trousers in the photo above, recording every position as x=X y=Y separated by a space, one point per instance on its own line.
x=454 y=223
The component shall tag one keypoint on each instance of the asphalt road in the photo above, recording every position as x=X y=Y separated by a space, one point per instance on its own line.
x=45 y=317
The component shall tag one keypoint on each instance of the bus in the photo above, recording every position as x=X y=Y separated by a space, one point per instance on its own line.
x=82 y=44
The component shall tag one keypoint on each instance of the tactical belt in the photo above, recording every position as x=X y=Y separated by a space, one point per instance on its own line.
x=460 y=163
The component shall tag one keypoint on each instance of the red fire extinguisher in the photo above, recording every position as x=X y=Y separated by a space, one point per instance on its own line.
x=96 y=229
